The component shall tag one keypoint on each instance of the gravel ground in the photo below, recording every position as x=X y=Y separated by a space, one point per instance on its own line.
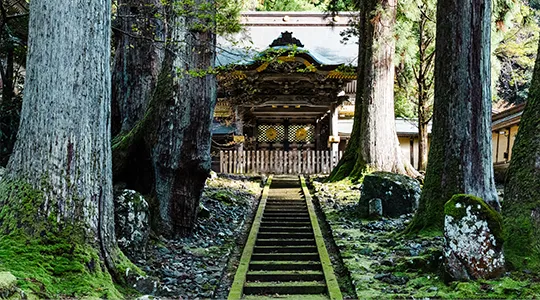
x=193 y=267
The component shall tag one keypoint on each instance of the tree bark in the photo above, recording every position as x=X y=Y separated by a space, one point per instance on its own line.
x=140 y=49
x=375 y=142
x=521 y=206
x=176 y=128
x=460 y=159
x=63 y=144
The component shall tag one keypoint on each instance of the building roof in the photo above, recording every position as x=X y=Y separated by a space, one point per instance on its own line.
x=319 y=35
x=508 y=117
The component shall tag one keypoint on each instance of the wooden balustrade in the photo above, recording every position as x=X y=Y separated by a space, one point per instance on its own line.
x=278 y=162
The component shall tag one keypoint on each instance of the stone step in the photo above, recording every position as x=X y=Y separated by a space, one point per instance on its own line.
x=285 y=235
x=285 y=229
x=285 y=256
x=286 y=214
x=286 y=202
x=284 y=265
x=301 y=287
x=284 y=242
x=281 y=276
x=285 y=224
x=285 y=219
x=285 y=249
x=280 y=208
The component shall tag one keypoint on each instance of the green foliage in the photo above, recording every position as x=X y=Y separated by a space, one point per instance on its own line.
x=291 y=5
x=13 y=39
x=516 y=53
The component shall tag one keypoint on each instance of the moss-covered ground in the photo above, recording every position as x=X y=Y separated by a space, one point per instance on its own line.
x=49 y=260
x=386 y=264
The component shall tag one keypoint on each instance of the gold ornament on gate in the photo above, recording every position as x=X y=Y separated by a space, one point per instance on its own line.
x=271 y=133
x=301 y=134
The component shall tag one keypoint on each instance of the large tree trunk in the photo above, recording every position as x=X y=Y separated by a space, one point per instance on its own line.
x=140 y=48
x=377 y=146
x=182 y=152
x=173 y=139
x=460 y=153
x=63 y=144
x=521 y=206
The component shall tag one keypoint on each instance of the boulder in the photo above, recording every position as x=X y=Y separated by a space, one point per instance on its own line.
x=375 y=208
x=131 y=223
x=473 y=239
x=8 y=284
x=398 y=194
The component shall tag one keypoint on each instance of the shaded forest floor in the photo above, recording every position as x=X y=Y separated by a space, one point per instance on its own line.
x=197 y=266
x=383 y=264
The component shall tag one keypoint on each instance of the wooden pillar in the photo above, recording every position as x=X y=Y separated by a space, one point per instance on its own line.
x=318 y=135
x=239 y=127
x=334 y=127
x=286 y=133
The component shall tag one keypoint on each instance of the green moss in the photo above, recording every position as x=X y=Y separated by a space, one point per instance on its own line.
x=521 y=248
x=225 y=197
x=56 y=270
x=48 y=258
x=522 y=196
x=477 y=206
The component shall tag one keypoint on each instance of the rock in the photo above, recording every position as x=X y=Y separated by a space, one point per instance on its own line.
x=146 y=285
x=473 y=239
x=375 y=208
x=391 y=278
x=387 y=262
x=131 y=223
x=8 y=284
x=399 y=194
x=203 y=211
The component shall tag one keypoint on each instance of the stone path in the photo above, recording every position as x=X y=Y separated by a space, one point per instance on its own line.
x=285 y=252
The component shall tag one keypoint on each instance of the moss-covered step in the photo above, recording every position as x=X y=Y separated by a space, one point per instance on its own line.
x=285 y=224
x=285 y=256
x=295 y=214
x=285 y=229
x=284 y=242
x=330 y=278
x=285 y=235
x=285 y=209
x=285 y=219
x=303 y=287
x=287 y=297
x=281 y=276
x=285 y=249
x=284 y=265
x=281 y=204
x=285 y=202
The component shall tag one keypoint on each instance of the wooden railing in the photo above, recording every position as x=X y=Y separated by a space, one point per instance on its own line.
x=278 y=162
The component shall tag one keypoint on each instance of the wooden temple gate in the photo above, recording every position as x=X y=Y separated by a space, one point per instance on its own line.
x=278 y=162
